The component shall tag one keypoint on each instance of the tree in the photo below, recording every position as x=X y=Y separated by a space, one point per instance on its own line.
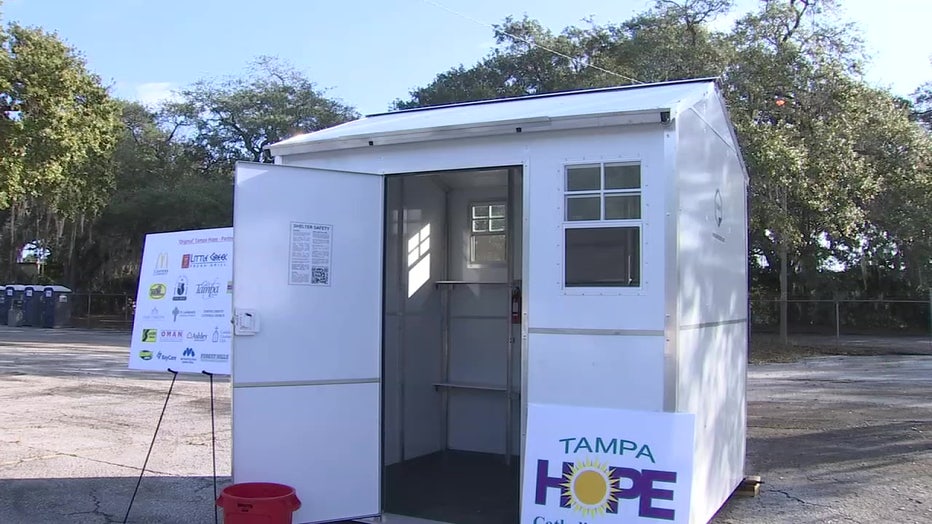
x=235 y=119
x=160 y=186
x=922 y=108
x=57 y=129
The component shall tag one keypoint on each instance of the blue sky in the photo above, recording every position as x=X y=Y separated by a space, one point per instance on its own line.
x=370 y=52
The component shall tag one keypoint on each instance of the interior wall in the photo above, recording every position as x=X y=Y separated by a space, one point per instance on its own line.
x=412 y=344
x=478 y=333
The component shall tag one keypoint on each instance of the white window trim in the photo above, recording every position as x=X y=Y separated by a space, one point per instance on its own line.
x=471 y=263
x=640 y=223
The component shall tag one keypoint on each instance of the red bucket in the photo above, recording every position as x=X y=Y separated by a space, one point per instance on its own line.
x=258 y=503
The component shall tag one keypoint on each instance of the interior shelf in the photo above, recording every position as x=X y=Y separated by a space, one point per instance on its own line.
x=466 y=385
x=468 y=283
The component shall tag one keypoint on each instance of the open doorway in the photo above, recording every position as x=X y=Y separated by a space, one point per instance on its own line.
x=451 y=353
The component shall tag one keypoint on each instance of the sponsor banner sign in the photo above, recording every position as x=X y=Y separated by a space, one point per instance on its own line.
x=597 y=465
x=184 y=303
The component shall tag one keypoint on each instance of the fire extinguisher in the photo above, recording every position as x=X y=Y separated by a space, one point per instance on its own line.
x=516 y=305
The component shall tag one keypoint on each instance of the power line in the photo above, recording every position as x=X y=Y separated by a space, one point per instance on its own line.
x=528 y=42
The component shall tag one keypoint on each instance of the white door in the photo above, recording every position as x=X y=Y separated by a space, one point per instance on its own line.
x=307 y=266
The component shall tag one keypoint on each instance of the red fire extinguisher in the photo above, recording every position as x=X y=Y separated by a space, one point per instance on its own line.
x=516 y=305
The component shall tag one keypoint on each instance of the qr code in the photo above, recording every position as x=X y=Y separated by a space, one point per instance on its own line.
x=320 y=275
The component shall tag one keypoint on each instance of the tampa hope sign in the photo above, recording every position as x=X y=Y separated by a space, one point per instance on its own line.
x=594 y=465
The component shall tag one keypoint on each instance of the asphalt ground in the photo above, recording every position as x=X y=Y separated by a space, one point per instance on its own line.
x=836 y=439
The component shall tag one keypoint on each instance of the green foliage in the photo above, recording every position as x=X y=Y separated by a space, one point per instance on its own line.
x=56 y=123
x=58 y=127
x=175 y=165
x=160 y=186
x=237 y=118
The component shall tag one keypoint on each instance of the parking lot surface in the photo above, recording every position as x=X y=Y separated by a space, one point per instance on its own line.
x=835 y=438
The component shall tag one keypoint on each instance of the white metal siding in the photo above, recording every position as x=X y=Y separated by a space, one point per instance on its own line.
x=712 y=305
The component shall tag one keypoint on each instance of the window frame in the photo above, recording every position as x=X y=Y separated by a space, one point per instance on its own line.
x=470 y=208
x=602 y=222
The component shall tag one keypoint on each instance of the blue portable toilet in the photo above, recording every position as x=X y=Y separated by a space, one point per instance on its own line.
x=32 y=306
x=13 y=305
x=56 y=307
x=4 y=303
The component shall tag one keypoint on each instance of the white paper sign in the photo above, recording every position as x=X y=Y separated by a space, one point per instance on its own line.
x=310 y=254
x=593 y=465
x=184 y=304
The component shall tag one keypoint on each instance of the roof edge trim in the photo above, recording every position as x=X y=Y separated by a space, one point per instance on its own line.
x=546 y=95
x=510 y=127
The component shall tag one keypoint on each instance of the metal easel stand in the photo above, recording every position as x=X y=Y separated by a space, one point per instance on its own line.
x=151 y=444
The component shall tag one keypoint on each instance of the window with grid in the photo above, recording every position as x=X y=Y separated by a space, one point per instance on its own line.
x=602 y=233
x=488 y=229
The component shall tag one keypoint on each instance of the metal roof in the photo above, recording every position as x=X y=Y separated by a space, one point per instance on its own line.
x=637 y=98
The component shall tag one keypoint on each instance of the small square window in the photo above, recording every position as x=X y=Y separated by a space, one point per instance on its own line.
x=487 y=243
x=487 y=249
x=603 y=257
x=622 y=176
x=583 y=208
x=584 y=178
x=622 y=207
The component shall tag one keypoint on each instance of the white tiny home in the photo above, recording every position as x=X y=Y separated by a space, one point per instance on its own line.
x=417 y=278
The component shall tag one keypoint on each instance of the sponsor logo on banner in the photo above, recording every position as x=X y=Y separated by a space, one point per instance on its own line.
x=215 y=357
x=145 y=354
x=165 y=356
x=220 y=335
x=157 y=291
x=154 y=314
x=161 y=264
x=181 y=289
x=150 y=335
x=171 y=335
x=188 y=356
x=207 y=289
x=213 y=313
x=195 y=260
x=598 y=465
x=198 y=336
x=182 y=313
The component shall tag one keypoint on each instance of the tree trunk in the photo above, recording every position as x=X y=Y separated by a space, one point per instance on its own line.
x=784 y=337
x=12 y=259
x=69 y=274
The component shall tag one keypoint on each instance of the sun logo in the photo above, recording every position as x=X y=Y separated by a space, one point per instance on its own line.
x=590 y=488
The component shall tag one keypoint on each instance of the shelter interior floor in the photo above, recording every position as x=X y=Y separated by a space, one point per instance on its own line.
x=456 y=487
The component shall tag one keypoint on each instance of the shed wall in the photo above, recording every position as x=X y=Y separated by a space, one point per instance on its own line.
x=412 y=306
x=712 y=303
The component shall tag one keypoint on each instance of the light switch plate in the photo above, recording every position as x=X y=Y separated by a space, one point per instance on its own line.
x=245 y=322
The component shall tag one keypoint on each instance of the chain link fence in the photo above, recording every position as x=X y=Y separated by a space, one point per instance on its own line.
x=838 y=318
